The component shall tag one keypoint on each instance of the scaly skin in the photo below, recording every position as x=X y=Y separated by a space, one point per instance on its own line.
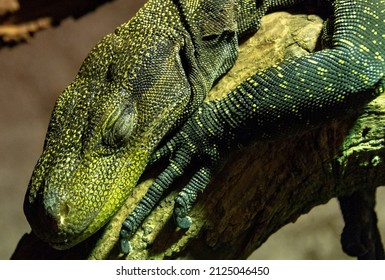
x=135 y=84
x=146 y=78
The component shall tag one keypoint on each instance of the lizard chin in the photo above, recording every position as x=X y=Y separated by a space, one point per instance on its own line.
x=64 y=218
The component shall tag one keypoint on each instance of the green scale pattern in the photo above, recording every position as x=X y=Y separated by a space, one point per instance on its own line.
x=149 y=78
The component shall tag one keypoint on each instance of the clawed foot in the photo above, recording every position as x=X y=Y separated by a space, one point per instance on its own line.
x=131 y=224
x=181 y=218
x=196 y=148
x=128 y=229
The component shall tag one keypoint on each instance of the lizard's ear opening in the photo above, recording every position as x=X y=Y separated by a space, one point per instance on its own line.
x=118 y=127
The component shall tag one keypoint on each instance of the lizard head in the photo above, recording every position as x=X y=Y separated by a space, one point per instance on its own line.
x=125 y=98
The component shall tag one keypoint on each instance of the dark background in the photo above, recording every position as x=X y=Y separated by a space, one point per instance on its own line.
x=35 y=73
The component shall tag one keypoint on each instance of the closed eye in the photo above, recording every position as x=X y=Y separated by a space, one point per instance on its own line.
x=119 y=126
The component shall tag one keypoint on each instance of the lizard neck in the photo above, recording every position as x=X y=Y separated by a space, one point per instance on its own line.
x=213 y=42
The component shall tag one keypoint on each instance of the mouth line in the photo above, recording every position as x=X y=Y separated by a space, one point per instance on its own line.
x=67 y=243
x=59 y=245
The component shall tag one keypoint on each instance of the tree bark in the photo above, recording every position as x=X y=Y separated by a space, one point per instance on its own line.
x=260 y=189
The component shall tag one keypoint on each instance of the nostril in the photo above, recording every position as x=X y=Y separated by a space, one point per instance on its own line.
x=63 y=212
x=57 y=207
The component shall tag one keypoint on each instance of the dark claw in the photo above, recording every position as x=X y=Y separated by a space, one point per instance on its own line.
x=125 y=246
x=180 y=211
x=125 y=235
x=183 y=222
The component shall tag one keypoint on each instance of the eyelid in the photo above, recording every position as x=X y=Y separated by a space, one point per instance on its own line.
x=119 y=126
